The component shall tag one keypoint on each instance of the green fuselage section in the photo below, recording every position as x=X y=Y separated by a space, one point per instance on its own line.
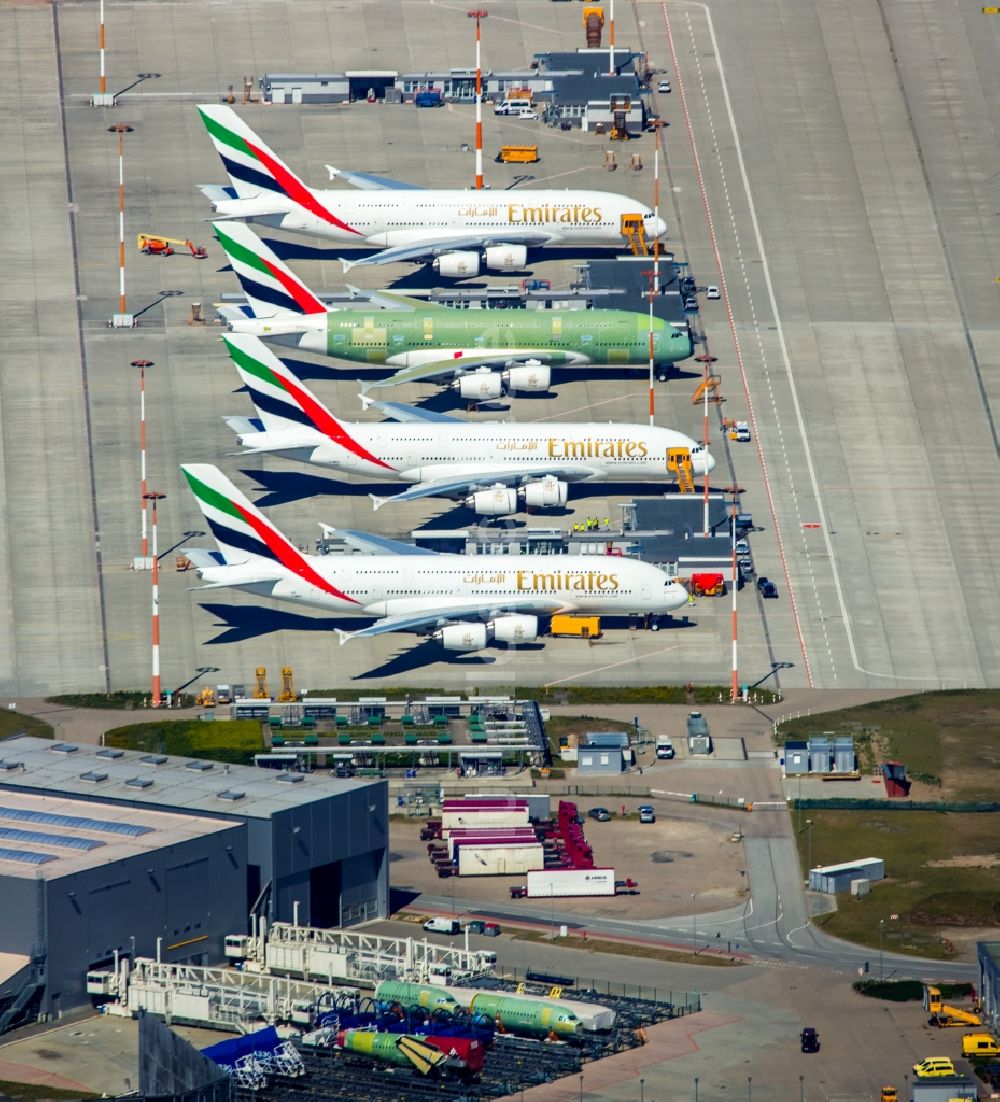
x=567 y=336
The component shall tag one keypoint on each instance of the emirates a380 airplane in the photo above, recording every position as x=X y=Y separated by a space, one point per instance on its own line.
x=496 y=468
x=460 y=231
x=463 y=603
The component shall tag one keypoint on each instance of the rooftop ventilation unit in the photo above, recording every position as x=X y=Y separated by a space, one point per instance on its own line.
x=93 y=776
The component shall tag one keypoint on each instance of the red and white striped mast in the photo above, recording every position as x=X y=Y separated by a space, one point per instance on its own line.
x=121 y=320
x=141 y=366
x=479 y=14
x=153 y=496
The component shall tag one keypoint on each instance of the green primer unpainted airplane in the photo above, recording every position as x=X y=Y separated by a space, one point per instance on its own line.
x=482 y=354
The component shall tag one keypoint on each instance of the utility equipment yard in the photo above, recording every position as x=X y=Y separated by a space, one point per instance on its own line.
x=868 y=391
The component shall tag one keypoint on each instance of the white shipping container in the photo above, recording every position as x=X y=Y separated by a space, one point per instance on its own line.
x=499 y=860
x=552 y=883
x=487 y=817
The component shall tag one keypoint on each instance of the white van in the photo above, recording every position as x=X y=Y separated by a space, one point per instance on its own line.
x=526 y=113
x=512 y=107
x=439 y=925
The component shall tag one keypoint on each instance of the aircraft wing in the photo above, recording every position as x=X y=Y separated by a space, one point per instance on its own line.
x=399 y=411
x=371 y=544
x=368 y=182
x=387 y=300
x=445 y=615
x=215 y=193
x=445 y=487
x=241 y=425
x=456 y=365
x=435 y=246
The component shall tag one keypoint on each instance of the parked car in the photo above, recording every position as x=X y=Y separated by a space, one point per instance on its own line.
x=663 y=86
x=711 y=291
x=744 y=564
x=600 y=814
x=441 y=925
x=766 y=588
x=934 y=1067
x=809 y=1040
x=691 y=305
x=647 y=813
x=742 y=547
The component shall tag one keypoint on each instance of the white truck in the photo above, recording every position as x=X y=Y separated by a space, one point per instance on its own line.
x=664 y=747
x=554 y=883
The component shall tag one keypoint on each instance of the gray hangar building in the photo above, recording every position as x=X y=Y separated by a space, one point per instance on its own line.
x=106 y=850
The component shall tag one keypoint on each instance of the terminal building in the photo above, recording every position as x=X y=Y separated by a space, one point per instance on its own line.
x=106 y=851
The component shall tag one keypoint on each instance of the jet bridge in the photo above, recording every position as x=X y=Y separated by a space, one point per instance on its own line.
x=312 y=952
x=219 y=998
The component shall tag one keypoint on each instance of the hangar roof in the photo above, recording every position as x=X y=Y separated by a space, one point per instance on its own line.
x=46 y=837
x=160 y=780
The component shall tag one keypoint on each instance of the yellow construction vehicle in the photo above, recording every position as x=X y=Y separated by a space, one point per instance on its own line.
x=634 y=232
x=287 y=687
x=620 y=107
x=260 y=692
x=154 y=244
x=679 y=463
x=943 y=1015
x=710 y=384
x=518 y=154
x=205 y=698
x=576 y=627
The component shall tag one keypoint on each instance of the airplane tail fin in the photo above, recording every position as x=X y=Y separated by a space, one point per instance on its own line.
x=244 y=535
x=253 y=168
x=269 y=284
x=282 y=401
x=240 y=529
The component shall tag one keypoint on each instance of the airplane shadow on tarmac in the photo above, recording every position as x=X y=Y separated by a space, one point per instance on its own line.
x=417 y=655
x=284 y=487
x=239 y=623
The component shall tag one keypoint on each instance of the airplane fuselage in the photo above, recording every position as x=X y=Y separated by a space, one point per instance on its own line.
x=407 y=338
x=386 y=218
x=425 y=452
x=394 y=585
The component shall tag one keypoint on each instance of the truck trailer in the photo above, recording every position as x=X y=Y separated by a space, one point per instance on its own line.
x=556 y=883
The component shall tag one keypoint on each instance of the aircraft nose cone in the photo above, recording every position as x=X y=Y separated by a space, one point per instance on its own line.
x=661 y=227
x=674 y=596
x=705 y=463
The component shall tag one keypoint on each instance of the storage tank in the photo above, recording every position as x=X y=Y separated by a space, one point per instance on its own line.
x=526 y=1017
x=415 y=995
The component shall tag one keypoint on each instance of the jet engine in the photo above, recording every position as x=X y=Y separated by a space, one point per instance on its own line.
x=479 y=386
x=505 y=258
x=463 y=637
x=533 y=376
x=498 y=501
x=459 y=265
x=544 y=494
x=515 y=629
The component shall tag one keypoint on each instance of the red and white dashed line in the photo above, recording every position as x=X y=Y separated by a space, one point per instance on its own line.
x=804 y=525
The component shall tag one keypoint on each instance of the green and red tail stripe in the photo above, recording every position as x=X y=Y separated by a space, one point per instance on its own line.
x=236 y=524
